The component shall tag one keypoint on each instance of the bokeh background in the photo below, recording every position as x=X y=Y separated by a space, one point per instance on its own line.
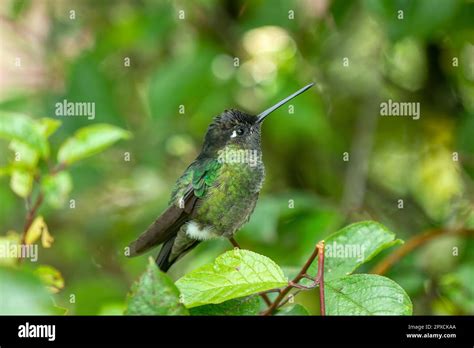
x=280 y=46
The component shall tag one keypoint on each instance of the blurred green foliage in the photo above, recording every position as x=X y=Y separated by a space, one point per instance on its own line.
x=310 y=191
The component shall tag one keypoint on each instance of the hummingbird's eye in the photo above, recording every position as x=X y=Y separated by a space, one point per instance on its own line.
x=240 y=131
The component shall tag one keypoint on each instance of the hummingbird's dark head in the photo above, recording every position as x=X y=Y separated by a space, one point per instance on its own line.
x=233 y=127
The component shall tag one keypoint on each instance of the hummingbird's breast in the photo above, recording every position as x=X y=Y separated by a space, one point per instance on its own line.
x=231 y=200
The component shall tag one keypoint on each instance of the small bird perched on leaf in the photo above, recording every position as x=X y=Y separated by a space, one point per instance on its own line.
x=217 y=193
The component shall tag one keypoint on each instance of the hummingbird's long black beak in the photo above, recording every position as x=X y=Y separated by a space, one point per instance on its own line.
x=267 y=112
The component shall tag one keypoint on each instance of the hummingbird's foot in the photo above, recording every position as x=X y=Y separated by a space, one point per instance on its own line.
x=234 y=243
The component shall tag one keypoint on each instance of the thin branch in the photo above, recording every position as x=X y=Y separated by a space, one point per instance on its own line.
x=31 y=214
x=280 y=299
x=320 y=277
x=61 y=166
x=32 y=210
x=383 y=266
x=287 y=299
x=234 y=243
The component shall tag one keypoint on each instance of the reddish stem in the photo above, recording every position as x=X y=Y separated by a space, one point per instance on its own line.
x=30 y=215
x=318 y=251
x=415 y=242
x=320 y=277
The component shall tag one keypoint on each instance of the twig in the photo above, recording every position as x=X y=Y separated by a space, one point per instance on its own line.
x=320 y=277
x=61 y=166
x=234 y=243
x=263 y=295
x=33 y=209
x=280 y=299
x=285 y=301
x=383 y=266
x=30 y=215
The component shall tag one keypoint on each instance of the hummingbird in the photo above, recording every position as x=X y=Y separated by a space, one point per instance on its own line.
x=218 y=191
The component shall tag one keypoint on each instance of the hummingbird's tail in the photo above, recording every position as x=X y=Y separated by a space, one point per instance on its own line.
x=165 y=226
x=163 y=259
x=173 y=249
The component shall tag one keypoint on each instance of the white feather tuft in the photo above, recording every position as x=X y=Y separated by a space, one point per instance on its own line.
x=194 y=231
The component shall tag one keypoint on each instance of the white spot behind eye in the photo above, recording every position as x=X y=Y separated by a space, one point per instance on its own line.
x=234 y=134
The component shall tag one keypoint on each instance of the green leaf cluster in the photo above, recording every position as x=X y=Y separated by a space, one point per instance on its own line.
x=230 y=284
x=29 y=142
x=37 y=177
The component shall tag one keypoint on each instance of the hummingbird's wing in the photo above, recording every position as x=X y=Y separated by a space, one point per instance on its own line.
x=166 y=225
x=191 y=187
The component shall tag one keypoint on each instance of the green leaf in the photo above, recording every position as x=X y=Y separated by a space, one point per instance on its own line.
x=249 y=305
x=352 y=246
x=21 y=182
x=366 y=294
x=48 y=126
x=14 y=126
x=89 y=141
x=113 y=308
x=154 y=294
x=25 y=156
x=458 y=288
x=5 y=171
x=22 y=292
x=50 y=277
x=295 y=309
x=36 y=230
x=236 y=273
x=57 y=188
x=9 y=245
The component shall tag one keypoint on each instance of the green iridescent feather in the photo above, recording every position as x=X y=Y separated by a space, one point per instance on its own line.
x=201 y=175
